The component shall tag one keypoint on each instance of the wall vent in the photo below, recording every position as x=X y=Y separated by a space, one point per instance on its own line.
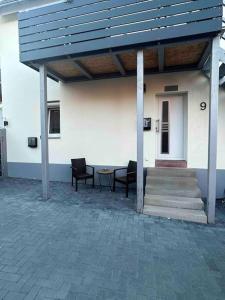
x=171 y=88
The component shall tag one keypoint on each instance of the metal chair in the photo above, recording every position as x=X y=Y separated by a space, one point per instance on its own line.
x=130 y=176
x=79 y=171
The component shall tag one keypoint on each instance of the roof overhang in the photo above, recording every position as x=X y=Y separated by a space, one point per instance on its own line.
x=91 y=39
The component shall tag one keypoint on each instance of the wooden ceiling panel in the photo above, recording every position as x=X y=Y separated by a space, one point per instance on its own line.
x=99 y=64
x=179 y=55
x=184 y=54
x=151 y=58
x=129 y=60
x=65 y=67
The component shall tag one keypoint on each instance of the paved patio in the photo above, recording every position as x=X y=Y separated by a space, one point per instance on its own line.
x=92 y=245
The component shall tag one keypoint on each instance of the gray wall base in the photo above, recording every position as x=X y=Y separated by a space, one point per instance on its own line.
x=203 y=181
x=61 y=172
x=57 y=172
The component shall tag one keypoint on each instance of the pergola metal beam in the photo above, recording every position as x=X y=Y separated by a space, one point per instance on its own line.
x=44 y=132
x=161 y=58
x=50 y=73
x=207 y=64
x=54 y=75
x=205 y=56
x=82 y=69
x=140 y=133
x=134 y=73
x=213 y=128
x=119 y=64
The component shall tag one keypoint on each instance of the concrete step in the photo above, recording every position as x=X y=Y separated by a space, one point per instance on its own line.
x=191 y=215
x=164 y=179
x=171 y=172
x=179 y=190
x=173 y=184
x=176 y=202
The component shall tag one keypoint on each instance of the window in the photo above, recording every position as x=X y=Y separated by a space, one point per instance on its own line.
x=165 y=128
x=54 y=120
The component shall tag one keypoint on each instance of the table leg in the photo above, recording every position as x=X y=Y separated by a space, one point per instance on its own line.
x=110 y=182
x=100 y=182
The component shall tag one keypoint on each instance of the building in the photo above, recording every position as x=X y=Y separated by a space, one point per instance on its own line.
x=92 y=87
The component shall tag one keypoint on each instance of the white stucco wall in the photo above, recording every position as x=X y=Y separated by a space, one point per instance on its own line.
x=98 y=118
x=20 y=92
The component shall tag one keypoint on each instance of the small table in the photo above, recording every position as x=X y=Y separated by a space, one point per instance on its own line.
x=107 y=173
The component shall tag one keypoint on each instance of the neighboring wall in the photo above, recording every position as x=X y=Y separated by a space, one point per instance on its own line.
x=20 y=93
x=98 y=118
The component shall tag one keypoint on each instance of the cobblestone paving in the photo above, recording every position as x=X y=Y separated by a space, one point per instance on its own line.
x=92 y=245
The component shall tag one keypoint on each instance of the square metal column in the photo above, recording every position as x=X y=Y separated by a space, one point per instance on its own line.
x=213 y=128
x=44 y=131
x=140 y=133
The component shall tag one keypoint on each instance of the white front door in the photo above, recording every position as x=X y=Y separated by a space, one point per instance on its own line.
x=170 y=128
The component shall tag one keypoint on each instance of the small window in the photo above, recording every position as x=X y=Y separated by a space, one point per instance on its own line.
x=54 y=121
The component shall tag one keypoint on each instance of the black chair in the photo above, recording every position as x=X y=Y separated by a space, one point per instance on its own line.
x=79 y=171
x=128 y=178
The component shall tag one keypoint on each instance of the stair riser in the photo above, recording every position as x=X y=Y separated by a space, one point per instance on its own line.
x=173 y=215
x=176 y=204
x=173 y=186
x=171 y=183
x=171 y=180
x=171 y=172
x=176 y=193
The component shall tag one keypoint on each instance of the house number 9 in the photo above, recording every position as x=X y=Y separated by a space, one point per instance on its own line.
x=203 y=105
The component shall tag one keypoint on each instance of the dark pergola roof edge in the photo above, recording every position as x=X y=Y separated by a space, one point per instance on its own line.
x=84 y=27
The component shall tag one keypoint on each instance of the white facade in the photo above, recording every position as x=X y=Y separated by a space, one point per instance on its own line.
x=98 y=118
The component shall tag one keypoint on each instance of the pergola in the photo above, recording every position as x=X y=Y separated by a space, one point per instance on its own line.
x=92 y=40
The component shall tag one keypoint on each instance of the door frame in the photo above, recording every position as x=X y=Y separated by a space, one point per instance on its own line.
x=184 y=95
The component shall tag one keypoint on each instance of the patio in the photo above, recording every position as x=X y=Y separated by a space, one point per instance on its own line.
x=91 y=40
x=88 y=245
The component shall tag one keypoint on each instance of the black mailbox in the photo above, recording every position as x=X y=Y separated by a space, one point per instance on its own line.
x=32 y=142
x=147 y=124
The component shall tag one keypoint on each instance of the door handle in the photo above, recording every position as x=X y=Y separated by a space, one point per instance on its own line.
x=157 y=126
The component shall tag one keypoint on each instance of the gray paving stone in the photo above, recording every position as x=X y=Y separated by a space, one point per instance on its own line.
x=33 y=293
x=92 y=245
x=14 y=296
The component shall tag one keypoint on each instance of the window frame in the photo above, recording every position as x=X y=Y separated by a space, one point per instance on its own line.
x=51 y=106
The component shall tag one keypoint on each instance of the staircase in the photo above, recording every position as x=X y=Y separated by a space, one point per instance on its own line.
x=174 y=193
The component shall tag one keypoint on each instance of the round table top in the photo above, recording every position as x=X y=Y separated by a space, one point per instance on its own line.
x=105 y=171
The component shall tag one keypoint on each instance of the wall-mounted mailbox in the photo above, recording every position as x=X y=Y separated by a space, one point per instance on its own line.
x=147 y=124
x=32 y=142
